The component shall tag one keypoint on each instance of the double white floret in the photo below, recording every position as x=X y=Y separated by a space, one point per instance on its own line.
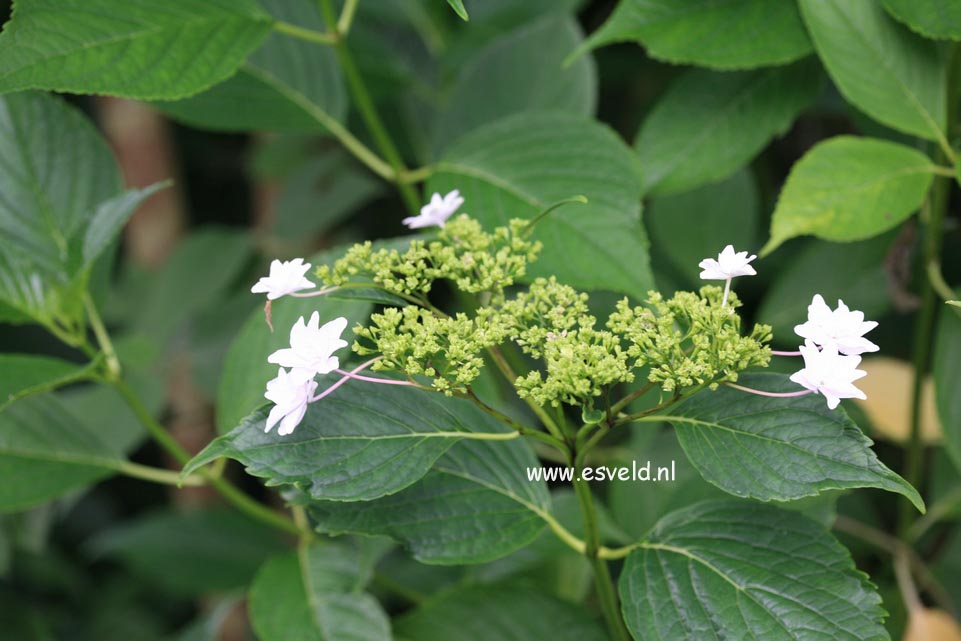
x=829 y=373
x=843 y=328
x=311 y=346
x=436 y=212
x=728 y=265
x=285 y=278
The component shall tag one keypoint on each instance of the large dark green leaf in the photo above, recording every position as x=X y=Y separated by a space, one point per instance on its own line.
x=849 y=188
x=947 y=380
x=191 y=553
x=285 y=85
x=931 y=18
x=498 y=613
x=521 y=71
x=55 y=170
x=45 y=453
x=893 y=75
x=246 y=370
x=474 y=506
x=721 y=34
x=736 y=570
x=637 y=506
x=519 y=165
x=136 y=48
x=778 y=448
x=359 y=443
x=315 y=595
x=709 y=124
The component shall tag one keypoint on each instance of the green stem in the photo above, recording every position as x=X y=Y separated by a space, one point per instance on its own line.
x=234 y=496
x=936 y=204
x=388 y=584
x=949 y=504
x=159 y=475
x=103 y=338
x=302 y=33
x=346 y=17
x=938 y=284
x=417 y=175
x=156 y=430
x=518 y=428
x=630 y=398
x=365 y=105
x=498 y=357
x=604 y=585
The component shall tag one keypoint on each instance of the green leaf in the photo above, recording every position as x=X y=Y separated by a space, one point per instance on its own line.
x=537 y=81
x=498 y=613
x=136 y=48
x=286 y=85
x=190 y=553
x=46 y=453
x=110 y=217
x=930 y=18
x=707 y=218
x=637 y=506
x=518 y=166
x=891 y=74
x=947 y=379
x=458 y=7
x=854 y=272
x=474 y=506
x=778 y=448
x=246 y=370
x=315 y=595
x=56 y=171
x=956 y=303
x=720 y=34
x=25 y=374
x=709 y=124
x=357 y=444
x=736 y=570
x=848 y=188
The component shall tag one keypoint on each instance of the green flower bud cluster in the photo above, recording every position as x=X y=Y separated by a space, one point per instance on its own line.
x=419 y=342
x=690 y=339
x=475 y=260
x=581 y=365
x=547 y=310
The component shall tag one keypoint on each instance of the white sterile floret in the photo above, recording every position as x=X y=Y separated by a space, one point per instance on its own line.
x=285 y=278
x=291 y=392
x=436 y=212
x=829 y=373
x=841 y=327
x=728 y=265
x=312 y=347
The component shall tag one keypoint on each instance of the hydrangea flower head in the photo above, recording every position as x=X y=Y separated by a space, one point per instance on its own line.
x=285 y=278
x=311 y=346
x=437 y=211
x=840 y=327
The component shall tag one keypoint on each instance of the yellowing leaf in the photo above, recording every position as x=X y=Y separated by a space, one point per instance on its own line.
x=932 y=625
x=888 y=388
